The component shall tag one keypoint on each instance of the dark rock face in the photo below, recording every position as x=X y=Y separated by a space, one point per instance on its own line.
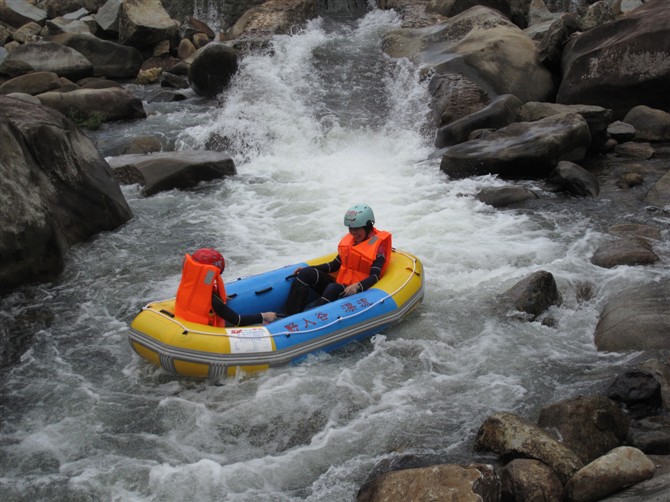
x=212 y=68
x=534 y=294
x=523 y=150
x=575 y=179
x=57 y=191
x=621 y=64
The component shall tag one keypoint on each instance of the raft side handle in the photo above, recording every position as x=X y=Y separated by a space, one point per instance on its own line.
x=166 y=312
x=261 y=291
x=289 y=277
x=232 y=295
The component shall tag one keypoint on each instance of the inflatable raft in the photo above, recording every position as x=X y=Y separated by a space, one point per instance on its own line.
x=198 y=350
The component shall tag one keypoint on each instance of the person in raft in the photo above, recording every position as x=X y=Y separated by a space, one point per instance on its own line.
x=201 y=296
x=362 y=258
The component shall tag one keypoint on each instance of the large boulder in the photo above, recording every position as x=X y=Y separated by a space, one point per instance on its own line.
x=32 y=83
x=524 y=479
x=501 y=111
x=510 y=436
x=16 y=13
x=482 y=44
x=621 y=64
x=53 y=57
x=589 y=425
x=168 y=170
x=102 y=105
x=144 y=23
x=533 y=295
x=636 y=319
x=108 y=58
x=212 y=68
x=649 y=124
x=273 y=17
x=574 y=179
x=523 y=150
x=439 y=482
x=57 y=190
x=622 y=467
x=625 y=251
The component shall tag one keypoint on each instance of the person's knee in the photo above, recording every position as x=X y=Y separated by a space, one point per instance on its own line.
x=333 y=291
x=307 y=276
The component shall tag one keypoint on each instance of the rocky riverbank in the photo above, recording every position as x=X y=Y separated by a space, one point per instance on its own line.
x=576 y=101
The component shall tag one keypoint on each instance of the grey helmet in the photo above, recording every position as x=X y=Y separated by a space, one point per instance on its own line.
x=359 y=215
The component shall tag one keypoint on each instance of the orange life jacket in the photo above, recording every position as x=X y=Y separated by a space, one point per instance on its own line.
x=357 y=260
x=194 y=296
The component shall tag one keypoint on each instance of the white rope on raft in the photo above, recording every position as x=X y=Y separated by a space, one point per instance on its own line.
x=290 y=333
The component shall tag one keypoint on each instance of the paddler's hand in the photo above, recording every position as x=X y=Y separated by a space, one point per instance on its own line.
x=269 y=317
x=353 y=289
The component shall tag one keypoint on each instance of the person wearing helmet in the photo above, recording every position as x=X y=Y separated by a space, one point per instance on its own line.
x=362 y=258
x=201 y=296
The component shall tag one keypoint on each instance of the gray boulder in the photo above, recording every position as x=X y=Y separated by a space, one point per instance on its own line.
x=636 y=319
x=57 y=191
x=16 y=13
x=659 y=195
x=454 y=96
x=104 y=105
x=144 y=23
x=107 y=16
x=438 y=482
x=574 y=179
x=589 y=425
x=483 y=45
x=621 y=64
x=108 y=58
x=169 y=170
x=621 y=131
x=524 y=479
x=622 y=467
x=628 y=251
x=32 y=83
x=523 y=150
x=510 y=436
x=505 y=196
x=52 y=57
x=212 y=68
x=500 y=112
x=533 y=295
x=649 y=124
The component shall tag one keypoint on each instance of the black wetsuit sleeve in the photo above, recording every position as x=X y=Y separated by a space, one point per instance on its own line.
x=232 y=317
x=331 y=266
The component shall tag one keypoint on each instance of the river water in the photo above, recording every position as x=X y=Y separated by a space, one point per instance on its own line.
x=323 y=121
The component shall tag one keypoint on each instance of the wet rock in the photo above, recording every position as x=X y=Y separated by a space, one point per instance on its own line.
x=588 y=425
x=523 y=150
x=143 y=145
x=32 y=83
x=107 y=16
x=638 y=391
x=636 y=319
x=524 y=479
x=61 y=25
x=481 y=44
x=621 y=64
x=597 y=14
x=635 y=150
x=631 y=252
x=149 y=76
x=621 y=131
x=186 y=48
x=534 y=294
x=635 y=230
x=144 y=23
x=272 y=18
x=659 y=195
x=58 y=192
x=512 y=437
x=168 y=170
x=104 y=105
x=500 y=112
x=172 y=81
x=19 y=12
x=649 y=124
x=574 y=179
x=454 y=96
x=597 y=117
x=192 y=26
x=212 y=68
x=53 y=57
x=551 y=45
x=440 y=482
x=109 y=59
x=505 y=196
x=622 y=467
x=29 y=32
x=651 y=435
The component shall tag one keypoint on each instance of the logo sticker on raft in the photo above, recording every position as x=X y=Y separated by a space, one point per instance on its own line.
x=247 y=340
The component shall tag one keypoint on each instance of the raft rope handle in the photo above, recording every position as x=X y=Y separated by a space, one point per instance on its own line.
x=289 y=333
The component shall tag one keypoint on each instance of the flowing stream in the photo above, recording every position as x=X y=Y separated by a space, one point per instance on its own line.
x=322 y=121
